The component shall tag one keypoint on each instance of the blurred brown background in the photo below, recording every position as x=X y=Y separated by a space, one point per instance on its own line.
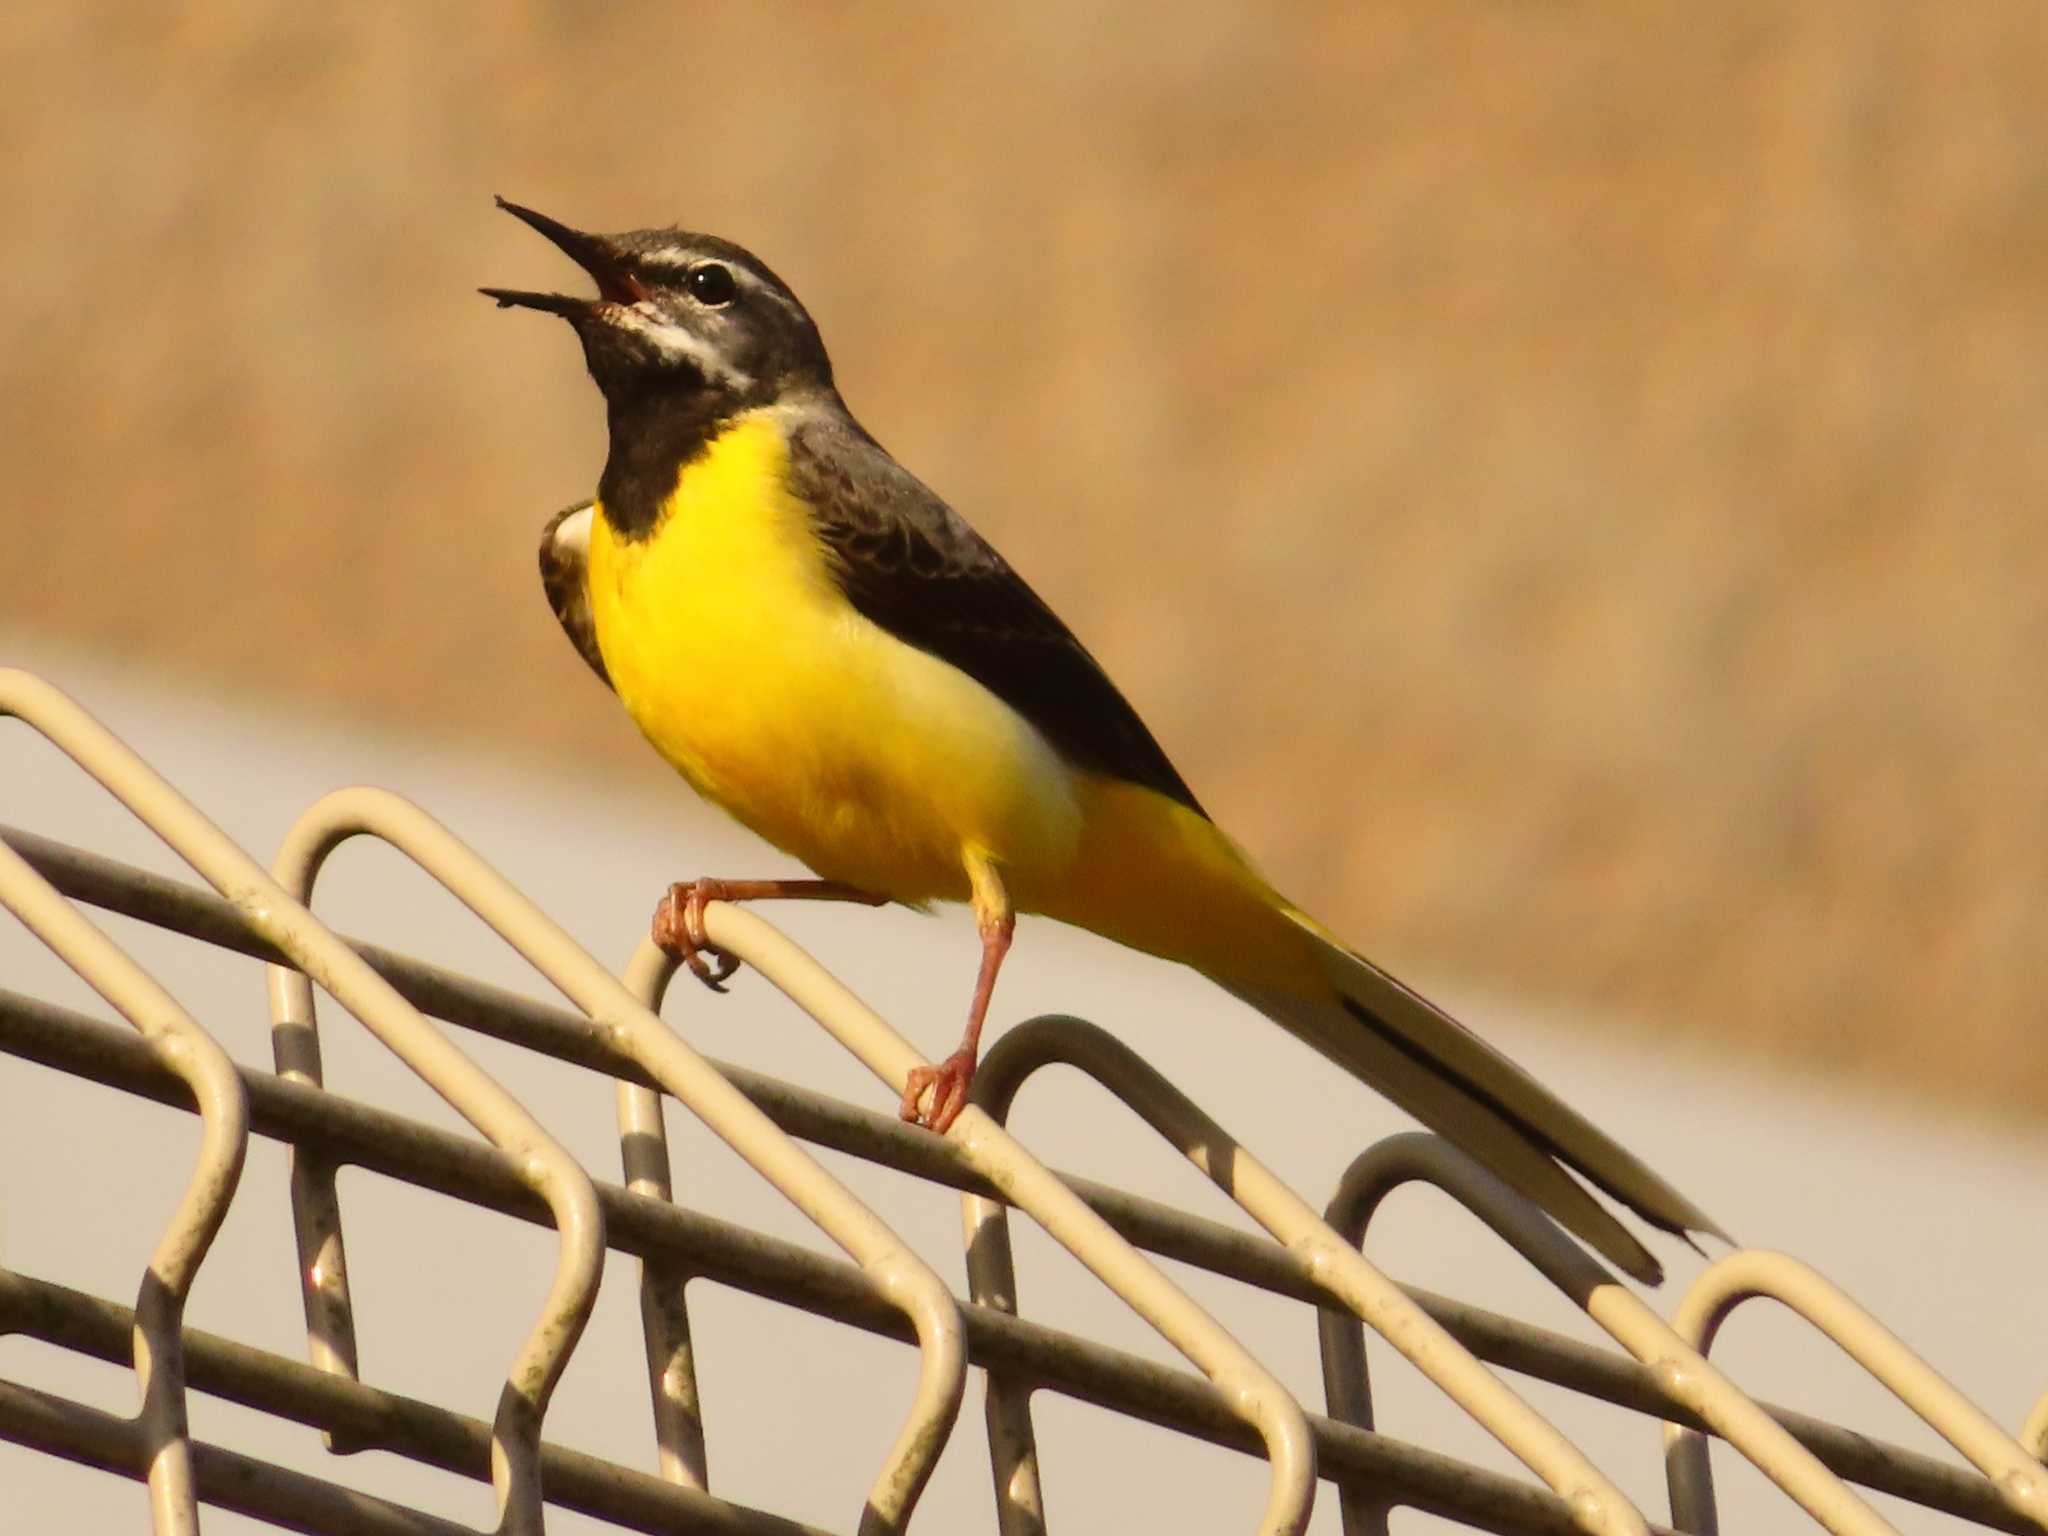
x=1566 y=485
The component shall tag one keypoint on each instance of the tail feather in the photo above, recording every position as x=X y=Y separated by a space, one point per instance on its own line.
x=1455 y=1083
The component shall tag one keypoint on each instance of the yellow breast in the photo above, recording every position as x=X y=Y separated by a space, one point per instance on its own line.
x=735 y=652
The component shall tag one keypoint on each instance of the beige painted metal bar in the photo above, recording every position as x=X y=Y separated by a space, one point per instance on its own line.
x=1251 y=1390
x=677 y=1404
x=177 y=1041
x=1006 y=1400
x=1347 y=1395
x=629 y=1024
x=284 y=922
x=1680 y=1370
x=315 y=1200
x=431 y=1436
x=290 y=1500
x=187 y=1050
x=171 y=1059
x=1596 y=1504
x=2034 y=1433
x=882 y=1138
x=1745 y=1276
x=359 y=1135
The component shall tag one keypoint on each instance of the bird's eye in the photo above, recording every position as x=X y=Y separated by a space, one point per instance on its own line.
x=711 y=285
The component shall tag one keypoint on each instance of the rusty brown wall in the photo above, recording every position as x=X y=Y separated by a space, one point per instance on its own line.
x=1566 y=482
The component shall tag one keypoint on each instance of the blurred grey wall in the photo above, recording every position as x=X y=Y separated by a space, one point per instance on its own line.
x=1566 y=484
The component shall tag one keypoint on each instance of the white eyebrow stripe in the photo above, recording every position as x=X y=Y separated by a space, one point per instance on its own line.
x=680 y=258
x=754 y=282
x=667 y=256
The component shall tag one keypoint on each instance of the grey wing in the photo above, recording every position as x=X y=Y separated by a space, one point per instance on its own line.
x=564 y=576
x=913 y=566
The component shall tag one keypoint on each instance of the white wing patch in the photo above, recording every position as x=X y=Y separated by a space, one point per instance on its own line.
x=565 y=577
x=569 y=532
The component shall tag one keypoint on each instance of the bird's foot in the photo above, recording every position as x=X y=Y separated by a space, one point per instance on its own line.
x=949 y=1082
x=679 y=929
x=679 y=919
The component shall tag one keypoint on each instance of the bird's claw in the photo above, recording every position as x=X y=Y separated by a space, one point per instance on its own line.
x=679 y=929
x=949 y=1082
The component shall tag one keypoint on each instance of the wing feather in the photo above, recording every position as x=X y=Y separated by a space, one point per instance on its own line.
x=915 y=567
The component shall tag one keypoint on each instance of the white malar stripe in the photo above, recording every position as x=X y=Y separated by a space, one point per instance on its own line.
x=672 y=341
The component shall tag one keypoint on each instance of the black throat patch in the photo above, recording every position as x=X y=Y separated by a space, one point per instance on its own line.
x=653 y=435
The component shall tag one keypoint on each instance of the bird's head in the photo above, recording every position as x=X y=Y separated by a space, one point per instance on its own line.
x=683 y=313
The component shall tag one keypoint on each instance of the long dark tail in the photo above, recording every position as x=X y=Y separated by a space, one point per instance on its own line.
x=1458 y=1085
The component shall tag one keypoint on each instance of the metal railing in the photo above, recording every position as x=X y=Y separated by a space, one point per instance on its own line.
x=881 y=1287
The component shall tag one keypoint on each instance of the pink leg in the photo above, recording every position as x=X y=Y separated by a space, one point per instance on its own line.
x=679 y=919
x=951 y=1078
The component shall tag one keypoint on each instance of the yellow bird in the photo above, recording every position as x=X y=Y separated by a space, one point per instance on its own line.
x=825 y=649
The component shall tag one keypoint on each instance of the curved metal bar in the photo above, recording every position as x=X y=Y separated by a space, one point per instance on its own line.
x=1599 y=1372
x=285 y=922
x=1728 y=1283
x=1006 y=1400
x=629 y=1025
x=186 y=1049
x=664 y=1301
x=1680 y=1370
x=1254 y=1395
x=1347 y=1394
x=176 y=1040
x=463 y=1167
x=545 y=1166
x=425 y=1434
x=678 y=1408
x=1339 y=1268
x=2034 y=1433
x=315 y=1201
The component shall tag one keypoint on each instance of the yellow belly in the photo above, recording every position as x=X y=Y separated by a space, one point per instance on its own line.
x=869 y=760
x=874 y=763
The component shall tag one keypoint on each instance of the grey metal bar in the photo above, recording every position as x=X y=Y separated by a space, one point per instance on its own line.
x=290 y=1500
x=1752 y=1274
x=177 y=1040
x=271 y=911
x=421 y=1432
x=1681 y=1370
x=899 y=1273
x=511 y=1127
x=677 y=1405
x=1597 y=1505
x=183 y=1048
x=1006 y=1402
x=1254 y=1393
x=1158 y=1228
x=360 y=1135
x=2034 y=1432
x=316 y=1213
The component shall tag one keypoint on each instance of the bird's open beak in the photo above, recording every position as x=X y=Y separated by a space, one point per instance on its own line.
x=607 y=265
